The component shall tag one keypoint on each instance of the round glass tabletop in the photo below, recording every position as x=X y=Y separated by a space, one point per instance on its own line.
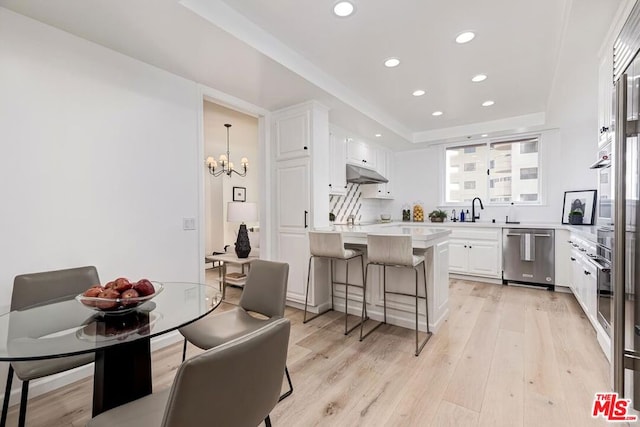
x=66 y=327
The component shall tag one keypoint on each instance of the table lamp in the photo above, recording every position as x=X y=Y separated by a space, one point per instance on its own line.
x=242 y=212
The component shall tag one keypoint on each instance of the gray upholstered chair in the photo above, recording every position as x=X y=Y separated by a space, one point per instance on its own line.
x=33 y=289
x=388 y=250
x=264 y=293
x=233 y=384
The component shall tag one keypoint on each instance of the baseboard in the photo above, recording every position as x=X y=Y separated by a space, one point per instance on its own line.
x=53 y=382
x=494 y=281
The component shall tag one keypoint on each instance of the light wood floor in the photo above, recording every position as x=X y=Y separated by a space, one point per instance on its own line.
x=506 y=356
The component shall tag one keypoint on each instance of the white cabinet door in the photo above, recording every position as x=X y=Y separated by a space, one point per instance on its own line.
x=591 y=289
x=361 y=154
x=458 y=256
x=483 y=258
x=292 y=134
x=605 y=96
x=385 y=167
x=388 y=173
x=337 y=165
x=292 y=221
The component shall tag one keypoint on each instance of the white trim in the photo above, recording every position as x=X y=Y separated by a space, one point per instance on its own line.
x=206 y=93
x=530 y=122
x=236 y=24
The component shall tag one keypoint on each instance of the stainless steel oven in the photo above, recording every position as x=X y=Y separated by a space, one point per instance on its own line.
x=605 y=185
x=602 y=261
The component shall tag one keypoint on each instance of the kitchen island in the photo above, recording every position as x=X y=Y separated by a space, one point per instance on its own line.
x=433 y=243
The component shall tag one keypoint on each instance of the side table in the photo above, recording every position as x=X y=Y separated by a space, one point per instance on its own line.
x=230 y=258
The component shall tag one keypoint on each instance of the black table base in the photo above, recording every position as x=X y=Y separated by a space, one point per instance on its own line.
x=122 y=374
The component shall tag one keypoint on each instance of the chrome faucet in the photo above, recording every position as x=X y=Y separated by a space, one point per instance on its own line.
x=473 y=209
x=351 y=220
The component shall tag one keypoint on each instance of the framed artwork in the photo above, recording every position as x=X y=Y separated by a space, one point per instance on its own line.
x=239 y=194
x=579 y=207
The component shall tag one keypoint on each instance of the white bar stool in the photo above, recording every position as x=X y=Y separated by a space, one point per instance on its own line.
x=330 y=245
x=396 y=251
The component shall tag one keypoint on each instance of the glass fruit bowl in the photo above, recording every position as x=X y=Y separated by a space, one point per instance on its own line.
x=118 y=305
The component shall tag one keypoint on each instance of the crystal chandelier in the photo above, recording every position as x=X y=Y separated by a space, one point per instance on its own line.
x=226 y=165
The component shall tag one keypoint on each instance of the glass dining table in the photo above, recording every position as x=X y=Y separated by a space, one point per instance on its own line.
x=121 y=342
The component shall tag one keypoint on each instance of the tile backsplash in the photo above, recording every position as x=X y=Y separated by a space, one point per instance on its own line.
x=364 y=210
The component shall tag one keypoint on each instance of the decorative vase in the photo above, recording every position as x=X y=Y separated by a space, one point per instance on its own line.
x=575 y=219
x=243 y=248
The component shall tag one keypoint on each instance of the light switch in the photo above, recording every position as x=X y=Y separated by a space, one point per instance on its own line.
x=188 y=223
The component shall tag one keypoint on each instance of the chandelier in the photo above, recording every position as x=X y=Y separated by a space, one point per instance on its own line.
x=226 y=165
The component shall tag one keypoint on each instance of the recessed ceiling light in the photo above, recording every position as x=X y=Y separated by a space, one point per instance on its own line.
x=484 y=135
x=418 y=92
x=391 y=62
x=343 y=9
x=436 y=113
x=378 y=135
x=488 y=103
x=465 y=37
x=478 y=78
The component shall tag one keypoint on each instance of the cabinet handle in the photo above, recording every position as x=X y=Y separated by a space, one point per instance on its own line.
x=570 y=241
x=542 y=235
x=305 y=148
x=305 y=219
x=329 y=185
x=573 y=259
x=379 y=191
x=586 y=272
x=364 y=161
x=469 y=247
x=345 y=186
x=465 y=246
x=388 y=192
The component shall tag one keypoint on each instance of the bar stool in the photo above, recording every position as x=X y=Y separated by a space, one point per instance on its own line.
x=330 y=245
x=396 y=251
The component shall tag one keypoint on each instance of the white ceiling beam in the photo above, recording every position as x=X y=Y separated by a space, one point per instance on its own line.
x=222 y=15
x=514 y=124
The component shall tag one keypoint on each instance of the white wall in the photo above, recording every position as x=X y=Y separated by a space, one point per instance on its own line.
x=98 y=160
x=243 y=141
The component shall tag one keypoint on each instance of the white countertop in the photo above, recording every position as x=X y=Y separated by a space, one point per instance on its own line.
x=434 y=228
x=422 y=236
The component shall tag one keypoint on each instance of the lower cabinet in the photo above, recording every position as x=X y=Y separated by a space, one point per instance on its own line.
x=475 y=252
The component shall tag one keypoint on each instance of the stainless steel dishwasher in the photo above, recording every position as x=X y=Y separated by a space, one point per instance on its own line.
x=528 y=256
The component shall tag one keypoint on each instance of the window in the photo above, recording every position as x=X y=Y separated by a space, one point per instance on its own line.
x=499 y=172
x=529 y=173
x=529 y=147
x=531 y=197
x=465 y=167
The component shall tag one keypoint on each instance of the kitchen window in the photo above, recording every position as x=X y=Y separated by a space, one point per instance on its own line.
x=499 y=172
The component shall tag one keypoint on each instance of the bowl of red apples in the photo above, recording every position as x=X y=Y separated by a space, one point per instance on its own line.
x=120 y=295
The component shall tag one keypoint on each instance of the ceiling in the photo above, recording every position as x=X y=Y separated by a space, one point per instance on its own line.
x=280 y=52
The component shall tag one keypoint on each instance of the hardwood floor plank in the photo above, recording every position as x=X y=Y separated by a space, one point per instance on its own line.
x=503 y=403
x=451 y=415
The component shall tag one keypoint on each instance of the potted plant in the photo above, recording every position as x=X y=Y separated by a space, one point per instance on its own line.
x=576 y=217
x=438 y=215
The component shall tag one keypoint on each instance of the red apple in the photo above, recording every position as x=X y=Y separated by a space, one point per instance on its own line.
x=92 y=292
x=144 y=287
x=122 y=285
x=126 y=295
x=110 y=294
x=110 y=285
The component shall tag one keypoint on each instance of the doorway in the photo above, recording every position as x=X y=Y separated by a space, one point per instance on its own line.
x=219 y=235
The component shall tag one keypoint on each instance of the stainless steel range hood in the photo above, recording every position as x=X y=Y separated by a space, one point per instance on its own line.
x=358 y=175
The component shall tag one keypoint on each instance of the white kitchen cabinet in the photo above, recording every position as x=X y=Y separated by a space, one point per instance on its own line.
x=605 y=97
x=337 y=164
x=292 y=134
x=385 y=168
x=300 y=180
x=476 y=252
x=361 y=154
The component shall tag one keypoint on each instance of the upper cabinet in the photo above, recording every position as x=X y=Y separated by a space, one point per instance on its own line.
x=385 y=168
x=605 y=98
x=292 y=134
x=337 y=163
x=362 y=154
